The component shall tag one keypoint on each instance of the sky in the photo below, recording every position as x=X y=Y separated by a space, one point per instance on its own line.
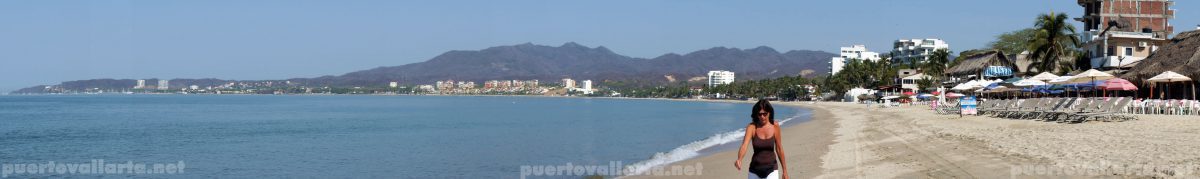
x=47 y=42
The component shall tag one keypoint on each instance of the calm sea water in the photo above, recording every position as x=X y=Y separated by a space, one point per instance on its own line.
x=361 y=136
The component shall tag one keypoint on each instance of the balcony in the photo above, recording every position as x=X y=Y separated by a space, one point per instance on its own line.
x=1114 y=61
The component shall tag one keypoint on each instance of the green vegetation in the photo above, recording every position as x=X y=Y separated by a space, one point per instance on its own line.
x=1054 y=38
x=1013 y=42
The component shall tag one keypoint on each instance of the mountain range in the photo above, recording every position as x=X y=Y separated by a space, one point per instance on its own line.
x=549 y=64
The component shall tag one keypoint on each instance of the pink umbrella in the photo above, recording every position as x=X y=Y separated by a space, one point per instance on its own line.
x=1118 y=84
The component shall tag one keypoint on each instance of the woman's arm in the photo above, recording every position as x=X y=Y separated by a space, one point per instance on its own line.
x=745 y=141
x=779 y=151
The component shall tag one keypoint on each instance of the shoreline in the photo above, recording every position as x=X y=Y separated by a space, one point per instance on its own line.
x=807 y=141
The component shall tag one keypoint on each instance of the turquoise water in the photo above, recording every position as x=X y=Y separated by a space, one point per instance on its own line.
x=360 y=136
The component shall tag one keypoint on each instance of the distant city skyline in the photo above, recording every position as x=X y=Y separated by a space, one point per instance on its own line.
x=46 y=42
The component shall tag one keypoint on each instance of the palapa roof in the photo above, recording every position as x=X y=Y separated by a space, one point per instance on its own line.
x=975 y=64
x=1182 y=56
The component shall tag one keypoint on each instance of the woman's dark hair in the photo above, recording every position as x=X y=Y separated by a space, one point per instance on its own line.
x=762 y=105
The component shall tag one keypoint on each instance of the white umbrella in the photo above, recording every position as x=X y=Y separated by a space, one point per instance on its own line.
x=965 y=86
x=1062 y=80
x=1091 y=75
x=1044 y=76
x=1029 y=82
x=1170 y=76
x=985 y=83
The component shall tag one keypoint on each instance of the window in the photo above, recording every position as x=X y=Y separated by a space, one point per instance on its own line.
x=1128 y=51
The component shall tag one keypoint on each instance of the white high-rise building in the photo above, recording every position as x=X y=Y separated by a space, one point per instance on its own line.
x=905 y=50
x=140 y=84
x=587 y=87
x=858 y=52
x=393 y=84
x=163 y=84
x=720 y=78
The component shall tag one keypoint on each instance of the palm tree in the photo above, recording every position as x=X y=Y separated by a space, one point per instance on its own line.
x=937 y=63
x=1054 y=39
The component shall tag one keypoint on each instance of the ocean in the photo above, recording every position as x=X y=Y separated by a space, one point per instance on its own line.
x=359 y=136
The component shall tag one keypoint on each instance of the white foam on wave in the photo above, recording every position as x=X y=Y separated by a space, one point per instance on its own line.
x=690 y=150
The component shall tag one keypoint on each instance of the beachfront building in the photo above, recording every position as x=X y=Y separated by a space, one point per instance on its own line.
x=1117 y=34
x=568 y=83
x=394 y=84
x=140 y=84
x=854 y=52
x=720 y=78
x=587 y=87
x=427 y=88
x=447 y=85
x=906 y=51
x=909 y=82
x=163 y=84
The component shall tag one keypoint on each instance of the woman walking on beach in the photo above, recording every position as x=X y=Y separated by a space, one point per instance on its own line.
x=763 y=133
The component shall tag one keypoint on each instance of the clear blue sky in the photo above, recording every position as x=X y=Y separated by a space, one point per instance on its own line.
x=46 y=42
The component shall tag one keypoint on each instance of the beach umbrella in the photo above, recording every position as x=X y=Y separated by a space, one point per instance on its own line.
x=954 y=95
x=992 y=86
x=969 y=85
x=1118 y=84
x=1061 y=80
x=1168 y=77
x=1010 y=81
x=1044 y=76
x=1091 y=76
x=1029 y=82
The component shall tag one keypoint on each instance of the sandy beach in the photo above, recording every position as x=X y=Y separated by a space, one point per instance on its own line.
x=846 y=140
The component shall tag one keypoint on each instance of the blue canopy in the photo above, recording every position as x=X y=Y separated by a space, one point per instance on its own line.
x=998 y=71
x=1085 y=86
x=992 y=86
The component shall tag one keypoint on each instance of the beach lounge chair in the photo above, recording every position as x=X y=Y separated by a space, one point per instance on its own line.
x=991 y=105
x=1110 y=112
x=1080 y=105
x=1020 y=112
x=1023 y=105
x=1047 y=105
x=1084 y=115
x=1012 y=103
x=1061 y=107
x=1102 y=107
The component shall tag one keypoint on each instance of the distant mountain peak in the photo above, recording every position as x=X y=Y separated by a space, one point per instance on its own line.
x=763 y=49
x=572 y=45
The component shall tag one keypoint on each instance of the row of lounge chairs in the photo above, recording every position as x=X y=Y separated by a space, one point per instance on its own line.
x=1073 y=110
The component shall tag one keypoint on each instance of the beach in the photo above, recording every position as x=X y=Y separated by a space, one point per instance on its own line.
x=845 y=140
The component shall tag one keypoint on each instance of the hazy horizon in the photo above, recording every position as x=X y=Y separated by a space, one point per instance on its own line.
x=51 y=42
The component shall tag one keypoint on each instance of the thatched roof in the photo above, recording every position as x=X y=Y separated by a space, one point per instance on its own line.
x=975 y=64
x=1181 y=56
